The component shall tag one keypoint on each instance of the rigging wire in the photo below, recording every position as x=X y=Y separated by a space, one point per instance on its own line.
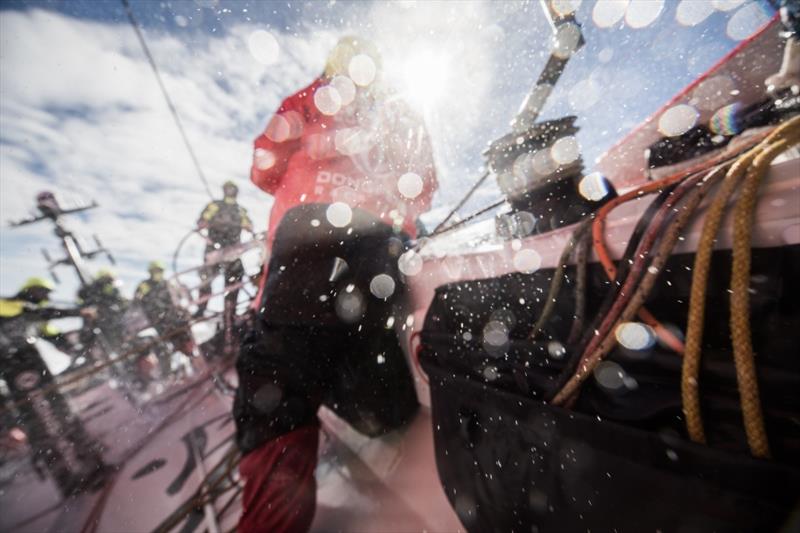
x=468 y=218
x=170 y=105
x=441 y=226
x=581 y=271
x=558 y=277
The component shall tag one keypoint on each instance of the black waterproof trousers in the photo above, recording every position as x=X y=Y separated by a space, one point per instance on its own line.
x=325 y=332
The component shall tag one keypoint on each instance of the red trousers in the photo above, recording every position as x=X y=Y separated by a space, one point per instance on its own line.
x=280 y=492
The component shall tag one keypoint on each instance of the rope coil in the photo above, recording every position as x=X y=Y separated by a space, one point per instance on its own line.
x=767 y=151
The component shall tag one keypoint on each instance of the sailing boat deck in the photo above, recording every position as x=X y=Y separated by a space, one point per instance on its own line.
x=383 y=484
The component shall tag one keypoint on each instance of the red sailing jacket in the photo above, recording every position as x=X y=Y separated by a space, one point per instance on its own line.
x=372 y=153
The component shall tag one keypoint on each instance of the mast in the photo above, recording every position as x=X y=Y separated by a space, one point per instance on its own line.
x=567 y=39
x=74 y=254
x=526 y=134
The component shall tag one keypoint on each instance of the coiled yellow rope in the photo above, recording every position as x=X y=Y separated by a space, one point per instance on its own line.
x=775 y=143
x=696 y=315
x=740 y=301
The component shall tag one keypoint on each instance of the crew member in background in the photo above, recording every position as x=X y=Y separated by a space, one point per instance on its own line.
x=172 y=323
x=223 y=220
x=103 y=294
x=57 y=438
x=60 y=340
x=350 y=168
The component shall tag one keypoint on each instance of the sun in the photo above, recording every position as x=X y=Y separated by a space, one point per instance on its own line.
x=424 y=77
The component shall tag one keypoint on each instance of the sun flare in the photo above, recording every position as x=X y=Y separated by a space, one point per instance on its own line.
x=424 y=77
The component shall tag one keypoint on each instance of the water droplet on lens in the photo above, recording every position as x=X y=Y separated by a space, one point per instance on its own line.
x=278 y=129
x=605 y=55
x=584 y=94
x=490 y=373
x=382 y=286
x=556 y=350
x=566 y=40
x=339 y=214
x=607 y=13
x=410 y=263
x=565 y=150
x=465 y=509
x=635 y=336
x=791 y=234
x=267 y=398
x=746 y=21
x=593 y=187
x=692 y=12
x=610 y=376
x=642 y=13
x=543 y=163
x=673 y=456
x=346 y=89
x=349 y=306
x=726 y=5
x=263 y=159
x=410 y=185
x=327 y=100
x=724 y=121
x=263 y=46
x=565 y=7
x=677 y=120
x=527 y=261
x=362 y=70
x=495 y=333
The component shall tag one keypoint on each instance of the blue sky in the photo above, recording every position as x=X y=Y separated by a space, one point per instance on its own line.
x=80 y=112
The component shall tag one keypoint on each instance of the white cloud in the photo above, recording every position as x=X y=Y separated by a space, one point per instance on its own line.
x=82 y=115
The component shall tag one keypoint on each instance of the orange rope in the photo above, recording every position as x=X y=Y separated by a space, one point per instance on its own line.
x=598 y=228
x=600 y=249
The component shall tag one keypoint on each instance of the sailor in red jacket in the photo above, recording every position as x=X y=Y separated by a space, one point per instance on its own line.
x=350 y=167
x=347 y=138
